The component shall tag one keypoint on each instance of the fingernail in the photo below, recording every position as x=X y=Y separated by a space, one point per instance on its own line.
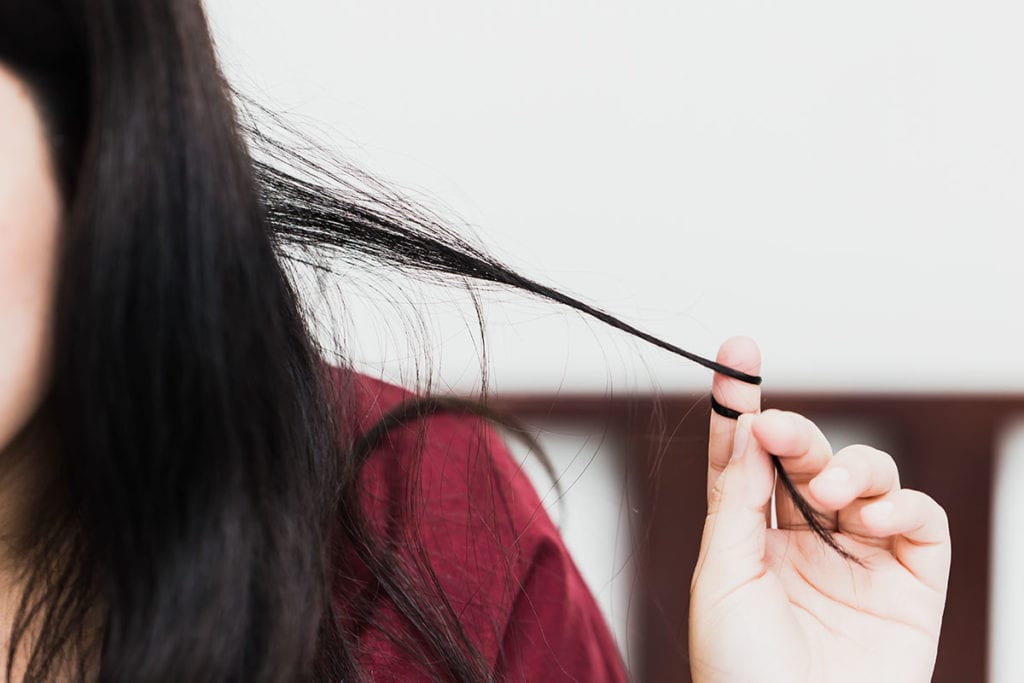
x=741 y=437
x=876 y=513
x=833 y=476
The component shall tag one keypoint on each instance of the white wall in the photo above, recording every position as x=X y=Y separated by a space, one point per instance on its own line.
x=842 y=181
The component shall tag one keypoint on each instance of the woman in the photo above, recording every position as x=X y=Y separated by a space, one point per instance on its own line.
x=192 y=494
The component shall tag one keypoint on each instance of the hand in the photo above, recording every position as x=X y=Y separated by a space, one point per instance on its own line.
x=777 y=605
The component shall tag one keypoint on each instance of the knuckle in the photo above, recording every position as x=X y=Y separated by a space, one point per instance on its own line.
x=885 y=463
x=860 y=451
x=869 y=458
x=930 y=508
x=800 y=421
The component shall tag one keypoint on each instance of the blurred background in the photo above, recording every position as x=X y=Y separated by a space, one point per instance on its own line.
x=843 y=182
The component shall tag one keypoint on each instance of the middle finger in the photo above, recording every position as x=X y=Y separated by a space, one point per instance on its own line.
x=804 y=452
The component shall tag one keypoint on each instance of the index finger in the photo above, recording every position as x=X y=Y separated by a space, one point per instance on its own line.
x=740 y=353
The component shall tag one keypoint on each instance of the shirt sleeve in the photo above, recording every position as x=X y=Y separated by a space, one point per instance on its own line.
x=555 y=631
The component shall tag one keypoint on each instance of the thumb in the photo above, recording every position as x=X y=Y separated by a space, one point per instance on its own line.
x=734 y=531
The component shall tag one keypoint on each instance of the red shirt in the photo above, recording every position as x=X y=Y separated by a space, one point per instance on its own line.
x=498 y=557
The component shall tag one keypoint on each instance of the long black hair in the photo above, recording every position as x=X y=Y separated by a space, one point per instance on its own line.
x=201 y=463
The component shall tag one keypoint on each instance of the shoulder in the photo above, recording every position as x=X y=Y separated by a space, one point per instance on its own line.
x=445 y=488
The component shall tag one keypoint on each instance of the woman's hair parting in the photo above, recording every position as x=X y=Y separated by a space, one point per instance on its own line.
x=203 y=468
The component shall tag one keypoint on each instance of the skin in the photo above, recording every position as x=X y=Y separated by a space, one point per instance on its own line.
x=29 y=218
x=30 y=213
x=776 y=605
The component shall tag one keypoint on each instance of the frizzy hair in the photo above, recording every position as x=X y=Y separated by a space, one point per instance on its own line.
x=200 y=462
